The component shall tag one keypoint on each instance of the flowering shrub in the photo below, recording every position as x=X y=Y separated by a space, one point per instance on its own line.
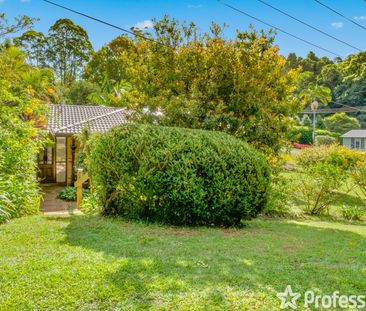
x=338 y=156
x=315 y=186
x=323 y=170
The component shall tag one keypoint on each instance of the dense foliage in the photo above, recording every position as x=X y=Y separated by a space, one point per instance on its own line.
x=303 y=134
x=341 y=123
x=22 y=91
x=69 y=193
x=346 y=78
x=178 y=176
x=325 y=140
x=202 y=80
x=323 y=171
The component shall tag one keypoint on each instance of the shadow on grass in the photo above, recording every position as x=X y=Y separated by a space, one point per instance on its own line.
x=156 y=264
x=347 y=199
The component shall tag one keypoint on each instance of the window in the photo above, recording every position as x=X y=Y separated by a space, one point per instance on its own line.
x=45 y=156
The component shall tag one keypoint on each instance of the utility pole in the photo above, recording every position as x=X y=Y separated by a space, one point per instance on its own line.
x=314 y=108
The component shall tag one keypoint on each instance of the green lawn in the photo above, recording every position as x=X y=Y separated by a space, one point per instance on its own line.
x=91 y=263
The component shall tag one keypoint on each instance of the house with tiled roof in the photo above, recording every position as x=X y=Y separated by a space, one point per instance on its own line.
x=57 y=161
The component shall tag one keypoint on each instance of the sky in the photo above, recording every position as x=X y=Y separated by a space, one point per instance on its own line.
x=128 y=13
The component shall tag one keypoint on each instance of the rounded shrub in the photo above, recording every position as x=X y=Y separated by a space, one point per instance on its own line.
x=178 y=176
x=304 y=134
x=301 y=135
x=325 y=140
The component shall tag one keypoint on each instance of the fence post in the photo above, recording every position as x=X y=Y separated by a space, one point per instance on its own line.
x=81 y=178
x=79 y=189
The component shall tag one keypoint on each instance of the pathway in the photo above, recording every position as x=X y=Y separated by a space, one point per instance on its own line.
x=52 y=205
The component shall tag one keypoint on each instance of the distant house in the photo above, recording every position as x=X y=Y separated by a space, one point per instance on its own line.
x=57 y=161
x=355 y=139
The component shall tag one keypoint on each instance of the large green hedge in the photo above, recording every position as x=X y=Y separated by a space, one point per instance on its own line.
x=178 y=176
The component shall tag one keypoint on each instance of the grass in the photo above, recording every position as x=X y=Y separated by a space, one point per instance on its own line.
x=94 y=263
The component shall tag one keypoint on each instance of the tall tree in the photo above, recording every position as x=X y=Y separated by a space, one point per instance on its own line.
x=330 y=76
x=68 y=50
x=311 y=63
x=35 y=44
x=108 y=63
x=202 y=80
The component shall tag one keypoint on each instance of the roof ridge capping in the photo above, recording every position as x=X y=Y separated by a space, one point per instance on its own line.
x=84 y=106
x=89 y=120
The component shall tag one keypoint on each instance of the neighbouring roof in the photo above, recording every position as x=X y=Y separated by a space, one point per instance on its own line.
x=355 y=134
x=71 y=119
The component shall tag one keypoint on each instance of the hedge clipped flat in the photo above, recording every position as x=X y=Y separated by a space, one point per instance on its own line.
x=178 y=176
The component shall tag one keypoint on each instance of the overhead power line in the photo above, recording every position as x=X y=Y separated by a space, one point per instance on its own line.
x=308 y=25
x=136 y=34
x=278 y=29
x=340 y=14
x=352 y=107
x=152 y=40
x=345 y=108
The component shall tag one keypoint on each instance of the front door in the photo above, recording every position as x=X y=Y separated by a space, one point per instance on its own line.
x=46 y=165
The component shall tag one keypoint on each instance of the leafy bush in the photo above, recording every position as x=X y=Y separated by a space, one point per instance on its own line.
x=22 y=92
x=323 y=170
x=315 y=187
x=19 y=189
x=320 y=132
x=19 y=194
x=325 y=140
x=278 y=196
x=341 y=123
x=90 y=204
x=304 y=134
x=353 y=213
x=359 y=177
x=178 y=176
x=69 y=193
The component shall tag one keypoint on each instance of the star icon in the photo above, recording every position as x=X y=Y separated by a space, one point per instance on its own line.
x=285 y=302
